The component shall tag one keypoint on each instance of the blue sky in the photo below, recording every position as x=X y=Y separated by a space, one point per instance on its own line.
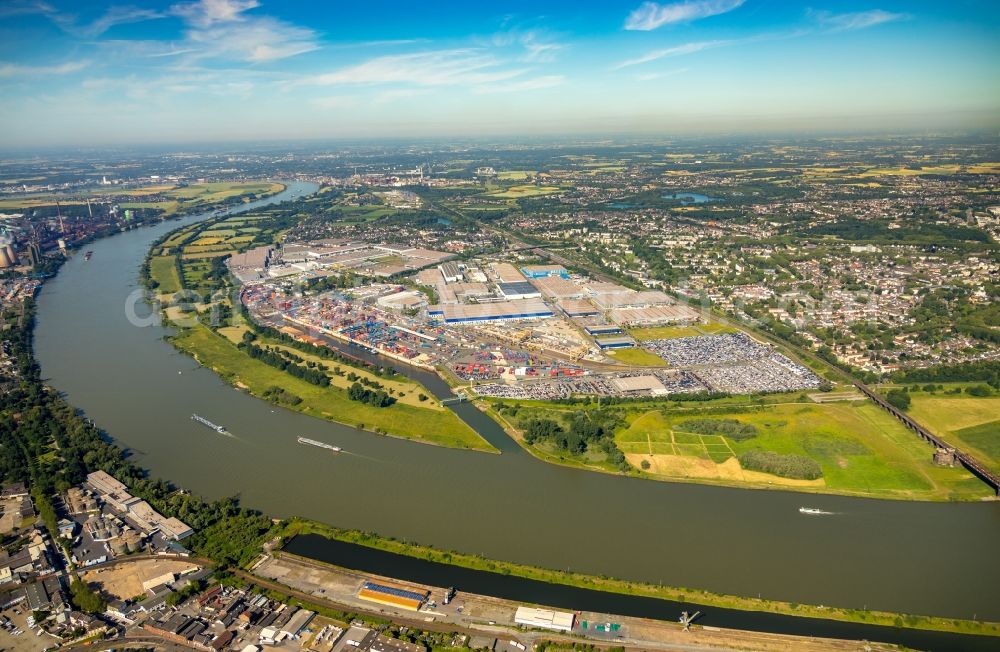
x=80 y=73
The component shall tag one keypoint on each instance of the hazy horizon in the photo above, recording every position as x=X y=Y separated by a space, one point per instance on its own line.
x=226 y=71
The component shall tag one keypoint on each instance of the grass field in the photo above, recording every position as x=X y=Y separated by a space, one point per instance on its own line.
x=515 y=175
x=525 y=190
x=163 y=270
x=431 y=426
x=860 y=448
x=638 y=357
x=970 y=423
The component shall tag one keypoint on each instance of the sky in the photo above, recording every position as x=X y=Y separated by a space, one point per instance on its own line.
x=83 y=73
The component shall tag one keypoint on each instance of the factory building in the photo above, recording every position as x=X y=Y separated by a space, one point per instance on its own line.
x=394 y=596
x=560 y=621
x=451 y=272
x=519 y=290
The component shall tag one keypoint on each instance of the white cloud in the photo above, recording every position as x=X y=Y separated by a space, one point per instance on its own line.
x=113 y=16
x=855 y=20
x=262 y=39
x=433 y=68
x=205 y=13
x=8 y=70
x=677 y=50
x=650 y=15
x=546 y=81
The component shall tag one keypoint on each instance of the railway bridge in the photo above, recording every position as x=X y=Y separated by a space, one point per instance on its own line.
x=972 y=464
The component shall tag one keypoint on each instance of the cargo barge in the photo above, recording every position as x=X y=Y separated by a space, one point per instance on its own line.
x=206 y=422
x=319 y=444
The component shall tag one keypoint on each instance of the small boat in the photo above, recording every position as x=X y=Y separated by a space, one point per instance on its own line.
x=319 y=444
x=813 y=511
x=206 y=422
x=88 y=255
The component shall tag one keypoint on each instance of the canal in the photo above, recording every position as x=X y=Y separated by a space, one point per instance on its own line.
x=926 y=558
x=519 y=589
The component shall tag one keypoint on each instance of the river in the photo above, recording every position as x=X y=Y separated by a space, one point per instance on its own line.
x=927 y=558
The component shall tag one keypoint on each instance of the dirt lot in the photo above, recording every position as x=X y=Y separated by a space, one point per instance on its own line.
x=125 y=581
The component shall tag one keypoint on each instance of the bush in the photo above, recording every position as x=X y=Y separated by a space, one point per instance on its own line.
x=979 y=390
x=899 y=399
x=729 y=428
x=785 y=466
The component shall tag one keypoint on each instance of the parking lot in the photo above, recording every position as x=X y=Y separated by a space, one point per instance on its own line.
x=28 y=640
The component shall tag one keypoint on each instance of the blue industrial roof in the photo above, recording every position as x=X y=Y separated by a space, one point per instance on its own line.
x=518 y=287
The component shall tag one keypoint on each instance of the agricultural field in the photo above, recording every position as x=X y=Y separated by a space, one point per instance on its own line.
x=971 y=423
x=860 y=449
x=434 y=426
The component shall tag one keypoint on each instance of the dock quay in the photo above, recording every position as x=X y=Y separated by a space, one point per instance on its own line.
x=485 y=616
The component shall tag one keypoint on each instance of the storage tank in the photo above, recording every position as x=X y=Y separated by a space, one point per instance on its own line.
x=118 y=546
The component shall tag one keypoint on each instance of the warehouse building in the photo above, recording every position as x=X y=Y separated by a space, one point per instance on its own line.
x=394 y=596
x=560 y=621
x=631 y=299
x=653 y=315
x=619 y=342
x=557 y=287
x=578 y=308
x=507 y=273
x=487 y=312
x=640 y=386
x=402 y=301
x=519 y=290
x=544 y=271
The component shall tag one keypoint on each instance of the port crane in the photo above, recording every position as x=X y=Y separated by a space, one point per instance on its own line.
x=686 y=619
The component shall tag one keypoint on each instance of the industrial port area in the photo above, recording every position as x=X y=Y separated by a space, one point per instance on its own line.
x=508 y=329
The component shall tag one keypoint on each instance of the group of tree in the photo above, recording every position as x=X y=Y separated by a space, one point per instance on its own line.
x=796 y=467
x=987 y=371
x=729 y=428
x=86 y=599
x=374 y=397
x=898 y=398
x=280 y=360
x=586 y=431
